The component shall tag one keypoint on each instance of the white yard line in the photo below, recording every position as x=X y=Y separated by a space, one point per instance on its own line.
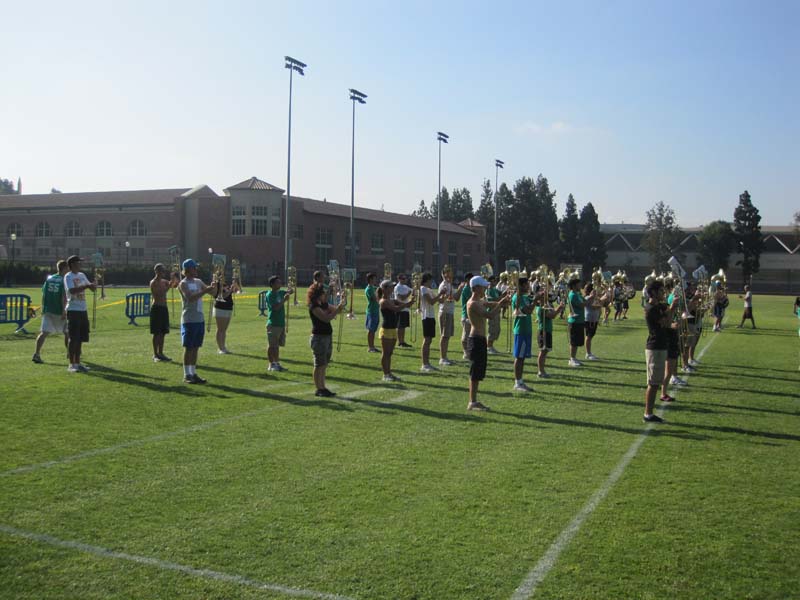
x=536 y=575
x=169 y=566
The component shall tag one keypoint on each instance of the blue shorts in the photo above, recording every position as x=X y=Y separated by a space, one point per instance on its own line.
x=192 y=334
x=522 y=345
x=373 y=321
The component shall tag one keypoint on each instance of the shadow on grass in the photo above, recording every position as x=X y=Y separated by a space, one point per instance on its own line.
x=319 y=403
x=135 y=379
x=701 y=386
x=771 y=435
x=18 y=337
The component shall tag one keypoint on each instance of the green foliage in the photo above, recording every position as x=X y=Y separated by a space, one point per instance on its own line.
x=434 y=206
x=460 y=205
x=662 y=235
x=591 y=249
x=422 y=211
x=717 y=241
x=568 y=232
x=485 y=214
x=7 y=187
x=746 y=225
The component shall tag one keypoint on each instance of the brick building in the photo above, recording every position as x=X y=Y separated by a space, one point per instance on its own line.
x=245 y=222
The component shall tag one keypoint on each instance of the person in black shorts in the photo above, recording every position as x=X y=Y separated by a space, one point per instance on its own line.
x=159 y=313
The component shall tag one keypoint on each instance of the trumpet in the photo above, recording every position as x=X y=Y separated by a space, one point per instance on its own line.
x=291 y=276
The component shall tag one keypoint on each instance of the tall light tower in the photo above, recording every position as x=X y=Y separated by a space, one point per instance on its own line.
x=498 y=164
x=361 y=98
x=293 y=65
x=441 y=137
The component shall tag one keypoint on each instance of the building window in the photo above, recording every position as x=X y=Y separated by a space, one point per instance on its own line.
x=297 y=231
x=71 y=251
x=376 y=242
x=137 y=252
x=103 y=229
x=467 y=249
x=324 y=246
x=43 y=229
x=452 y=247
x=14 y=228
x=238 y=218
x=137 y=228
x=348 y=253
x=72 y=229
x=276 y=224
x=259 y=223
x=399 y=258
x=42 y=252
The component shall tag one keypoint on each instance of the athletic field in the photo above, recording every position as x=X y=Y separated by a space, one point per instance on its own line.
x=127 y=483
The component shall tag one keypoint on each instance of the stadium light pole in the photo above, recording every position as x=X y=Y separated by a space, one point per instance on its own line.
x=441 y=137
x=293 y=65
x=360 y=98
x=13 y=255
x=127 y=252
x=498 y=164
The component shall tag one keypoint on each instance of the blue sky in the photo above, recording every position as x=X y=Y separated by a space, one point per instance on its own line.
x=620 y=103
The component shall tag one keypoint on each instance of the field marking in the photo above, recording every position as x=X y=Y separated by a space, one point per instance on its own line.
x=169 y=566
x=536 y=575
x=143 y=441
x=408 y=395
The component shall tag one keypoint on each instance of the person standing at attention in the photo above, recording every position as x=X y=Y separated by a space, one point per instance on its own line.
x=276 y=322
x=193 y=323
x=373 y=319
x=402 y=293
x=159 y=313
x=76 y=284
x=54 y=302
x=748 y=308
x=466 y=293
x=576 y=321
x=428 y=299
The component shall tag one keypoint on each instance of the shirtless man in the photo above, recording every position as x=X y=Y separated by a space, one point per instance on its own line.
x=478 y=310
x=159 y=313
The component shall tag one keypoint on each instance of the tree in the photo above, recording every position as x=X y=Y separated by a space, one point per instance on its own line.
x=7 y=187
x=748 y=235
x=55 y=191
x=434 y=210
x=485 y=214
x=568 y=231
x=662 y=235
x=505 y=226
x=547 y=239
x=717 y=241
x=422 y=211
x=460 y=205
x=591 y=248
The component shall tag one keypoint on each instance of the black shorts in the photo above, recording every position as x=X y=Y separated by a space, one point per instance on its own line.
x=545 y=339
x=78 y=325
x=476 y=350
x=429 y=328
x=403 y=319
x=591 y=329
x=576 y=331
x=748 y=313
x=159 y=319
x=673 y=349
x=625 y=304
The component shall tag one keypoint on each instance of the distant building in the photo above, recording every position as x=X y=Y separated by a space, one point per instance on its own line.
x=246 y=222
x=779 y=263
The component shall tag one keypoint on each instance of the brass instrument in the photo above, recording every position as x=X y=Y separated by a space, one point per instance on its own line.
x=676 y=278
x=416 y=281
x=236 y=275
x=175 y=271
x=99 y=272
x=448 y=270
x=291 y=276
x=387 y=270
x=348 y=277
x=218 y=262
x=513 y=270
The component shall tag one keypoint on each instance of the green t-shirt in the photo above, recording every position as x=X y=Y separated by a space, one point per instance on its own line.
x=523 y=324
x=465 y=295
x=542 y=321
x=371 y=292
x=493 y=294
x=276 y=316
x=53 y=295
x=576 y=303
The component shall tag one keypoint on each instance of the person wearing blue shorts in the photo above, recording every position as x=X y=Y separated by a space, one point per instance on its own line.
x=522 y=306
x=193 y=324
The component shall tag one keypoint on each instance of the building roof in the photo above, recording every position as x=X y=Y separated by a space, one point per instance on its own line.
x=471 y=223
x=369 y=214
x=200 y=190
x=254 y=183
x=82 y=199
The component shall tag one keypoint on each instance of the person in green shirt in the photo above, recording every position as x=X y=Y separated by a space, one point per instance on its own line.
x=54 y=300
x=276 y=322
x=575 y=322
x=545 y=314
x=522 y=306
x=466 y=294
x=493 y=295
x=373 y=311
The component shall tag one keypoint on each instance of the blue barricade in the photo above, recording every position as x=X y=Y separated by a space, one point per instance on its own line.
x=262 y=303
x=137 y=305
x=16 y=308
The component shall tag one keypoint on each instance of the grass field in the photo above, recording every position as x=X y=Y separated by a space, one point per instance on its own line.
x=126 y=483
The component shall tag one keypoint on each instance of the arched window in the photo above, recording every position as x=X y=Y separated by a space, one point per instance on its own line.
x=103 y=229
x=137 y=229
x=72 y=229
x=43 y=229
x=15 y=228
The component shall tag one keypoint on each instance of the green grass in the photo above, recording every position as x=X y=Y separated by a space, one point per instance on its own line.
x=372 y=498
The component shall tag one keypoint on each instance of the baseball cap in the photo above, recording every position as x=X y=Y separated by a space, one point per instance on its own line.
x=478 y=281
x=188 y=263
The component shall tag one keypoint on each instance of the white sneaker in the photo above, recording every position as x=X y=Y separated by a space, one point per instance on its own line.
x=223 y=351
x=427 y=368
x=73 y=369
x=694 y=363
x=445 y=362
x=83 y=368
x=273 y=368
x=491 y=351
x=591 y=357
x=390 y=377
x=675 y=380
x=689 y=369
x=466 y=356
x=574 y=363
x=521 y=387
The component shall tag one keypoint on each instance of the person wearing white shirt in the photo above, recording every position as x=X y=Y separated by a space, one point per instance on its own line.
x=748 y=308
x=447 y=311
x=76 y=284
x=402 y=293
x=428 y=298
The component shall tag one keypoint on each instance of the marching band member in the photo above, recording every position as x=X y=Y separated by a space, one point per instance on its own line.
x=402 y=293
x=428 y=299
x=618 y=295
x=466 y=293
x=373 y=317
x=276 y=322
x=493 y=294
x=694 y=326
x=591 y=313
x=576 y=321
x=390 y=311
x=76 y=284
x=159 y=313
x=193 y=321
x=545 y=313
x=478 y=309
x=321 y=341
x=54 y=302
x=674 y=344
x=223 y=311
x=720 y=304
x=447 y=311
x=522 y=306
x=748 y=307
x=659 y=322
